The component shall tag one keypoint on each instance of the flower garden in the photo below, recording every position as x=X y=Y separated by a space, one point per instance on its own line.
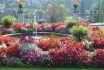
x=84 y=47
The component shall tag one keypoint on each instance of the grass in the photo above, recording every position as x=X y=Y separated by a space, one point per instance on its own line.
x=43 y=68
x=102 y=28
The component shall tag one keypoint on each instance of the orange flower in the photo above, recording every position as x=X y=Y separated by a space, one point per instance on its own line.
x=20 y=4
x=75 y=3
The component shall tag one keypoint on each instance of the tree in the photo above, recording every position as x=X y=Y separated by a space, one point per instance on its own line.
x=27 y=13
x=82 y=7
x=39 y=14
x=46 y=2
x=89 y=4
x=98 y=11
x=56 y=13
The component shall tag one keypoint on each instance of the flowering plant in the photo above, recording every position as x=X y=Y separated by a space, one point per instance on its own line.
x=7 y=40
x=98 y=58
x=36 y=57
x=75 y=4
x=9 y=46
x=27 y=43
x=98 y=42
x=46 y=44
x=48 y=28
x=18 y=26
x=54 y=25
x=28 y=39
x=69 y=54
x=20 y=4
x=60 y=28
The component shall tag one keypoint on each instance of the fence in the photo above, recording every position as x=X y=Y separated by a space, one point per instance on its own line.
x=92 y=18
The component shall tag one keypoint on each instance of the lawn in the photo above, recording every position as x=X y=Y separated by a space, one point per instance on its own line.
x=37 y=68
x=102 y=28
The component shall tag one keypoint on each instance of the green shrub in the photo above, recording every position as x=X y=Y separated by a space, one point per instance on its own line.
x=16 y=62
x=8 y=20
x=27 y=47
x=65 y=31
x=4 y=31
x=23 y=30
x=70 y=23
x=13 y=30
x=79 y=32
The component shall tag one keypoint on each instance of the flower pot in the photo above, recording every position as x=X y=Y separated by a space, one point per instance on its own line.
x=75 y=7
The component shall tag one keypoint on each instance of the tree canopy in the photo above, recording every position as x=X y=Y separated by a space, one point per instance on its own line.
x=56 y=12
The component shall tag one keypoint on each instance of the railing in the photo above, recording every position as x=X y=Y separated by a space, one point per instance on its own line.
x=92 y=18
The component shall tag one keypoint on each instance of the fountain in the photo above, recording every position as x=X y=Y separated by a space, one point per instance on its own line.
x=35 y=34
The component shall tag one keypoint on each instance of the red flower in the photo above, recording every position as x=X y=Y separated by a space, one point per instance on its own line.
x=98 y=42
x=11 y=49
x=18 y=26
x=54 y=25
x=7 y=39
x=46 y=44
x=98 y=58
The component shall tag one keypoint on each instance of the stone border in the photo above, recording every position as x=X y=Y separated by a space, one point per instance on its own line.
x=38 y=33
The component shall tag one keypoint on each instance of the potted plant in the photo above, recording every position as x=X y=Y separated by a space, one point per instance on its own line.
x=20 y=4
x=75 y=4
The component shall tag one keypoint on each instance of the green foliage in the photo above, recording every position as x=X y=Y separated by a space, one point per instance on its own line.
x=13 y=61
x=16 y=62
x=79 y=31
x=75 y=4
x=65 y=31
x=56 y=13
x=20 y=4
x=4 y=31
x=64 y=2
x=70 y=23
x=82 y=8
x=8 y=20
x=23 y=30
x=39 y=14
x=97 y=9
x=102 y=28
x=13 y=30
x=27 y=46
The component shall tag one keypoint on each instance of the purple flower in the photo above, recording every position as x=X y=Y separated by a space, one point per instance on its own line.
x=48 y=28
x=59 y=28
x=39 y=29
x=36 y=57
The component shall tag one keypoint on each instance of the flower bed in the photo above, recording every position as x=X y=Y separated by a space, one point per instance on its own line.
x=83 y=48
